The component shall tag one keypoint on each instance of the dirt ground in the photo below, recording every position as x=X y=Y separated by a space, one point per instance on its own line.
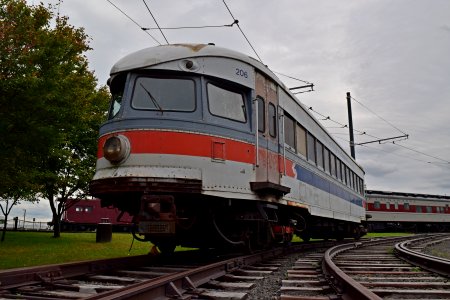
x=441 y=249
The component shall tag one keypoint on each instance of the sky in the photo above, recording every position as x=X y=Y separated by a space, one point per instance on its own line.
x=392 y=56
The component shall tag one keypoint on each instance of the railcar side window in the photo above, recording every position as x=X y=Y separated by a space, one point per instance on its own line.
x=272 y=120
x=353 y=181
x=376 y=205
x=406 y=206
x=164 y=94
x=301 y=140
x=388 y=205
x=338 y=167
x=429 y=209
x=261 y=115
x=344 y=174
x=333 y=164
x=311 y=148
x=418 y=208
x=289 y=131
x=361 y=186
x=326 y=159
x=319 y=154
x=347 y=172
x=117 y=87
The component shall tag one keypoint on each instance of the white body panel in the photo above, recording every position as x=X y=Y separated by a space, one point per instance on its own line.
x=228 y=179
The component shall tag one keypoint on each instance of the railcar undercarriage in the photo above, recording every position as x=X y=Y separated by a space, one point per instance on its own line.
x=167 y=218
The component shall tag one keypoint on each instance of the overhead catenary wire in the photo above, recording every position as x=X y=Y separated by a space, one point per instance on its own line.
x=396 y=154
x=393 y=153
x=360 y=103
x=291 y=77
x=328 y=118
x=420 y=152
x=240 y=29
x=191 y=27
x=154 y=19
x=308 y=84
x=132 y=20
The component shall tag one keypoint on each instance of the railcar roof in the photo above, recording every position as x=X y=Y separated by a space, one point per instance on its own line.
x=160 y=54
x=408 y=195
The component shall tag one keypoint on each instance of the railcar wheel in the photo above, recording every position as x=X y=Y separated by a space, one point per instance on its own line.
x=166 y=247
x=356 y=234
x=305 y=237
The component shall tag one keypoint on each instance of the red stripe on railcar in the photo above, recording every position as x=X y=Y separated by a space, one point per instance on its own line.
x=182 y=143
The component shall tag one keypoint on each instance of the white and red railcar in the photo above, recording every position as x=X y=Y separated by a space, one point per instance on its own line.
x=407 y=211
x=205 y=145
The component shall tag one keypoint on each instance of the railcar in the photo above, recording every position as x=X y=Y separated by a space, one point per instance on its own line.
x=85 y=215
x=395 y=211
x=205 y=146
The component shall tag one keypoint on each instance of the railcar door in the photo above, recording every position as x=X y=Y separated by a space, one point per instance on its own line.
x=268 y=162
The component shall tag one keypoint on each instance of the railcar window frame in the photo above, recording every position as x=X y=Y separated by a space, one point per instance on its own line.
x=311 y=148
x=230 y=89
x=272 y=111
x=155 y=100
x=289 y=131
x=117 y=85
x=319 y=154
x=326 y=160
x=300 y=140
x=376 y=205
x=261 y=114
x=339 y=169
x=333 y=165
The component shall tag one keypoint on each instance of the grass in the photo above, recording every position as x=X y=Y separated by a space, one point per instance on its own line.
x=386 y=234
x=26 y=249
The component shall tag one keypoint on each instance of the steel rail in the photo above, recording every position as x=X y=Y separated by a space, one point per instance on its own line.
x=14 y=278
x=428 y=262
x=349 y=288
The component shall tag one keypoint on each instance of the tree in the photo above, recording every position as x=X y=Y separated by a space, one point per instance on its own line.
x=8 y=201
x=51 y=107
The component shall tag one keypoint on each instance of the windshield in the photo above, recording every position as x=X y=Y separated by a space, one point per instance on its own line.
x=164 y=94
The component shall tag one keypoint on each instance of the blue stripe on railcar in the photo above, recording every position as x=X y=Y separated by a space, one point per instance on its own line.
x=315 y=180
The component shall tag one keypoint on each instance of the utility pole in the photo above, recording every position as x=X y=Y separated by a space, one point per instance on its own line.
x=350 y=125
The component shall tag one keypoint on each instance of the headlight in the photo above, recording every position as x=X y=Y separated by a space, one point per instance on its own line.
x=116 y=149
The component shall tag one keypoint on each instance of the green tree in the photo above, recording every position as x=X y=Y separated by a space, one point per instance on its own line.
x=50 y=105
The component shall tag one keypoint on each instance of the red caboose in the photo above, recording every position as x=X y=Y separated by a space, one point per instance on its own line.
x=84 y=215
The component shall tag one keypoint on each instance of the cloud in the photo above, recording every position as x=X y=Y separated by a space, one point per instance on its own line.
x=391 y=55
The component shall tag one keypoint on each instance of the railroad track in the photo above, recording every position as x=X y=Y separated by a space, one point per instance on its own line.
x=374 y=270
x=148 y=277
x=361 y=270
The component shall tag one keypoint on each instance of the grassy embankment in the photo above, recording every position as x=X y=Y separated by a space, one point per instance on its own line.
x=25 y=249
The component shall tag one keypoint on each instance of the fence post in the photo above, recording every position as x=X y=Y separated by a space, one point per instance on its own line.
x=16 y=220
